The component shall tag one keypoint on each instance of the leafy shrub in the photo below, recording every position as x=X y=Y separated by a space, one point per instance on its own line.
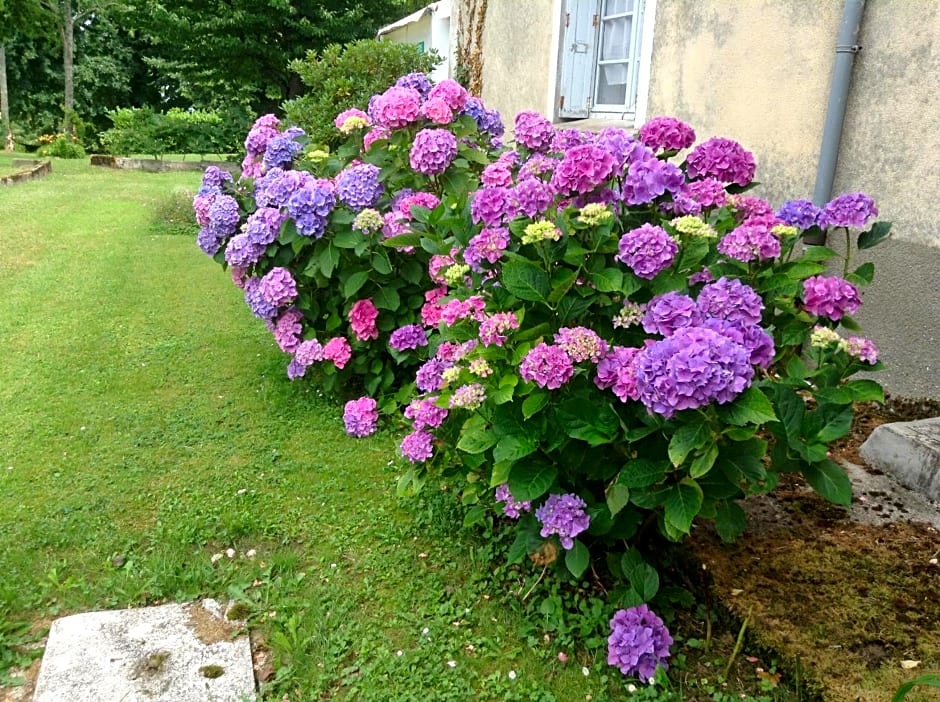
x=348 y=76
x=60 y=146
x=612 y=344
x=173 y=213
x=142 y=130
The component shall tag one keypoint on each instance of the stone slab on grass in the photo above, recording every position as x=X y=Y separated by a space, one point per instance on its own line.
x=909 y=451
x=171 y=653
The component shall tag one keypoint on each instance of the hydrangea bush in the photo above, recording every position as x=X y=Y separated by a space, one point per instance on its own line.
x=597 y=339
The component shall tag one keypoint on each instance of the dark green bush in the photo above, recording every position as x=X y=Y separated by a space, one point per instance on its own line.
x=140 y=130
x=347 y=76
x=62 y=146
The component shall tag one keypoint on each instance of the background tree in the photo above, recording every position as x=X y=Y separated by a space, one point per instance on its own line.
x=17 y=18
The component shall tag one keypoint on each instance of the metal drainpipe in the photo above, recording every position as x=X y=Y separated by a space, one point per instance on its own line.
x=846 y=48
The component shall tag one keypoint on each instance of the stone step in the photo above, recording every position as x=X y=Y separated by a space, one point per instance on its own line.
x=171 y=653
x=909 y=451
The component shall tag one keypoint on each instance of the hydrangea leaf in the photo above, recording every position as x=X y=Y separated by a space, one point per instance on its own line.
x=577 y=559
x=874 y=236
x=526 y=281
x=355 y=282
x=529 y=480
x=644 y=580
x=618 y=496
x=683 y=504
x=704 y=461
x=642 y=473
x=750 y=407
x=687 y=438
x=730 y=520
x=830 y=481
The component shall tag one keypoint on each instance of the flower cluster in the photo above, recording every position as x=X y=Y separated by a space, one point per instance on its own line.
x=361 y=417
x=647 y=250
x=638 y=643
x=433 y=150
x=565 y=515
x=723 y=159
x=667 y=133
x=511 y=507
x=830 y=296
x=547 y=366
x=358 y=186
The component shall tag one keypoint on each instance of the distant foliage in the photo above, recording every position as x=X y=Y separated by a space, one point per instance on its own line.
x=60 y=146
x=141 y=130
x=348 y=76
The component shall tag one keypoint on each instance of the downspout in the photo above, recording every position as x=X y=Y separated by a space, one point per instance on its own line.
x=846 y=48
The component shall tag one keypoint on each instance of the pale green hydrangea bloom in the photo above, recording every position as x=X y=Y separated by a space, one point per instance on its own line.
x=694 y=226
x=594 y=214
x=540 y=231
x=824 y=337
x=631 y=313
x=455 y=274
x=368 y=220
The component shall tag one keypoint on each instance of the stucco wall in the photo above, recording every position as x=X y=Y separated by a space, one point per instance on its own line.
x=517 y=38
x=759 y=73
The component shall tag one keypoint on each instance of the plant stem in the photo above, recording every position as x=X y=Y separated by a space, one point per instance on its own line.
x=738 y=644
x=848 y=252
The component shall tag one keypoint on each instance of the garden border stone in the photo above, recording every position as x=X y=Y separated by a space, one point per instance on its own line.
x=159 y=165
x=34 y=169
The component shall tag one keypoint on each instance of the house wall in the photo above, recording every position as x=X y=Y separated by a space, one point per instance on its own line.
x=413 y=33
x=760 y=74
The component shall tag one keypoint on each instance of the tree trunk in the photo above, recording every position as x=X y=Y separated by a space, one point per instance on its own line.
x=5 y=102
x=68 y=55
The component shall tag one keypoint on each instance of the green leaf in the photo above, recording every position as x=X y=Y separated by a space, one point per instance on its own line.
x=608 y=280
x=347 y=239
x=577 y=559
x=386 y=298
x=475 y=515
x=561 y=284
x=874 y=236
x=800 y=270
x=572 y=307
x=512 y=448
x=865 y=272
x=618 y=496
x=730 y=521
x=475 y=439
x=742 y=461
x=381 y=263
x=644 y=579
x=329 y=259
x=818 y=253
x=354 y=283
x=865 y=391
x=402 y=240
x=642 y=473
x=687 y=438
x=704 y=461
x=534 y=403
x=830 y=481
x=791 y=409
x=835 y=424
x=595 y=423
x=519 y=549
x=750 y=407
x=526 y=281
x=683 y=505
x=928 y=680
x=530 y=480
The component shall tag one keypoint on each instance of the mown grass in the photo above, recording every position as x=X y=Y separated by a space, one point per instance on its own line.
x=146 y=425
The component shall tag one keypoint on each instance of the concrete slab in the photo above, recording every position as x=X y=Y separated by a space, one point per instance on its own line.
x=171 y=653
x=909 y=451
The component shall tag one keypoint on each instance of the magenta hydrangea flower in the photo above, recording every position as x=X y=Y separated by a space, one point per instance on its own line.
x=700 y=195
x=425 y=413
x=547 y=366
x=670 y=311
x=531 y=197
x=648 y=179
x=451 y=92
x=667 y=133
x=801 y=214
x=307 y=353
x=451 y=351
x=848 y=210
x=362 y=316
x=278 y=287
x=373 y=135
x=338 y=351
x=396 y=107
x=862 y=349
x=730 y=299
x=491 y=206
x=433 y=151
x=638 y=643
x=533 y=131
x=455 y=310
x=497 y=175
x=410 y=336
x=692 y=368
x=750 y=242
x=582 y=169
x=431 y=309
x=361 y=417
x=493 y=329
x=488 y=245
x=511 y=507
x=201 y=205
x=287 y=330
x=438 y=111
x=581 y=344
x=430 y=376
x=617 y=372
x=418 y=446
x=565 y=515
x=647 y=250
x=262 y=131
x=830 y=296
x=750 y=209
x=723 y=159
x=358 y=186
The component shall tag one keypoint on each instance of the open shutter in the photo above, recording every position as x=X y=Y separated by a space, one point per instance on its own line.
x=578 y=57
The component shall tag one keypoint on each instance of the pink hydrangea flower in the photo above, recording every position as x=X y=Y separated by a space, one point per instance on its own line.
x=438 y=111
x=362 y=316
x=830 y=296
x=361 y=417
x=396 y=107
x=337 y=350
x=547 y=366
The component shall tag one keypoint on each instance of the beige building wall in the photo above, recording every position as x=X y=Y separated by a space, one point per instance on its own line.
x=758 y=71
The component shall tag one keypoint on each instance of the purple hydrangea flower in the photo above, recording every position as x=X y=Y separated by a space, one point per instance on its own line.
x=278 y=287
x=488 y=245
x=531 y=197
x=491 y=206
x=307 y=353
x=699 y=195
x=208 y=242
x=692 y=368
x=283 y=149
x=264 y=225
x=361 y=417
x=274 y=188
x=223 y=216
x=729 y=298
x=647 y=180
x=862 y=349
x=262 y=131
x=750 y=242
x=565 y=139
x=801 y=214
x=581 y=344
x=287 y=330
x=418 y=446
x=848 y=210
x=433 y=151
x=647 y=250
x=497 y=175
x=358 y=186
x=759 y=344
x=493 y=329
x=667 y=133
x=260 y=306
x=410 y=336
x=533 y=131
x=582 y=169
x=212 y=179
x=310 y=207
x=242 y=251
x=617 y=372
x=547 y=366
x=425 y=413
x=830 y=296
x=537 y=165
x=430 y=376
x=723 y=159
x=511 y=508
x=671 y=311
x=488 y=121
x=416 y=81
x=620 y=143
x=565 y=515
x=638 y=643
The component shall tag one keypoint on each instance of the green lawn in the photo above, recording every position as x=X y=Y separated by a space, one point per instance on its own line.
x=146 y=424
